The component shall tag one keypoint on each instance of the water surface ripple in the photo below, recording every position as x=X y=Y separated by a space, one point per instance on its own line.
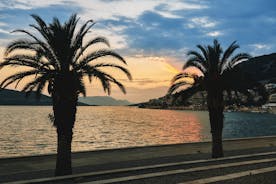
x=26 y=130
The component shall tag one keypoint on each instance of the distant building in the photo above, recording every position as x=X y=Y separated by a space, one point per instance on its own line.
x=271 y=105
x=272 y=98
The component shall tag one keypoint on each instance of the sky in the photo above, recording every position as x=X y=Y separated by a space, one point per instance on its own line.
x=153 y=36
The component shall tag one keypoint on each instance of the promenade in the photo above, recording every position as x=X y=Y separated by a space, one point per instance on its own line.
x=250 y=159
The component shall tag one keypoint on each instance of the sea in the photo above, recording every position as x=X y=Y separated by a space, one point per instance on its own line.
x=27 y=130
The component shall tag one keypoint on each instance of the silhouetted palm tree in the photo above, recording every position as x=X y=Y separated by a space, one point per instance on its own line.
x=215 y=66
x=59 y=58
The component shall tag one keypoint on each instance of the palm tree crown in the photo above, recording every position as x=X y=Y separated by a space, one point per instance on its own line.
x=58 y=51
x=214 y=64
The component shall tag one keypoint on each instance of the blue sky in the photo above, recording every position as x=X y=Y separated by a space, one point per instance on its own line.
x=156 y=29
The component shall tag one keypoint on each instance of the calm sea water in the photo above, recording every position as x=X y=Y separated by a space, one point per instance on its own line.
x=27 y=130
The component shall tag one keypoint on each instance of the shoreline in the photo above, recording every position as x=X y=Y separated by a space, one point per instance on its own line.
x=192 y=108
x=270 y=140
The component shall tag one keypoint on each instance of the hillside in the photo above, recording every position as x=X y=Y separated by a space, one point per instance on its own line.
x=103 y=101
x=260 y=68
x=12 y=97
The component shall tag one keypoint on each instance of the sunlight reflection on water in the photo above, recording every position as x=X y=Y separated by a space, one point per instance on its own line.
x=27 y=130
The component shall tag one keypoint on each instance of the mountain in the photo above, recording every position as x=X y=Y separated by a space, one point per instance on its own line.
x=260 y=68
x=103 y=101
x=12 y=97
x=250 y=73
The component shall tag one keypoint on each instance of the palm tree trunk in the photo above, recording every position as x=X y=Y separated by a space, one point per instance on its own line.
x=65 y=113
x=63 y=161
x=64 y=106
x=215 y=107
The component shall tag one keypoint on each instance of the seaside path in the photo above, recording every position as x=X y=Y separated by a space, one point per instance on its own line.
x=154 y=164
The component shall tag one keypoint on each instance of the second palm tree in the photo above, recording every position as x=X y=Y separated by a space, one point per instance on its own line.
x=215 y=66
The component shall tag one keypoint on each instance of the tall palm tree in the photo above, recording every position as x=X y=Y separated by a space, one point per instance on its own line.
x=215 y=66
x=59 y=58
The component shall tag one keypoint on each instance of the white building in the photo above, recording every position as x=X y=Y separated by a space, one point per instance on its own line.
x=271 y=105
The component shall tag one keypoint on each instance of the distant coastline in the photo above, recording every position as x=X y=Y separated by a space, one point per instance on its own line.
x=200 y=108
x=10 y=97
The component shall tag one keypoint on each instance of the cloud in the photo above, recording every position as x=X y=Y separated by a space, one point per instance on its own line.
x=109 y=9
x=4 y=31
x=28 y=4
x=260 y=46
x=117 y=41
x=134 y=94
x=214 y=33
x=105 y=11
x=156 y=27
x=168 y=15
x=146 y=81
x=202 y=22
x=153 y=32
x=182 y=5
x=4 y=42
x=2 y=24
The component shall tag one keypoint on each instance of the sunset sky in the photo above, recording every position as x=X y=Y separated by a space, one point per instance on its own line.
x=153 y=35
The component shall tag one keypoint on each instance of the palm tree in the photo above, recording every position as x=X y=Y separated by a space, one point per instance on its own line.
x=59 y=58
x=216 y=67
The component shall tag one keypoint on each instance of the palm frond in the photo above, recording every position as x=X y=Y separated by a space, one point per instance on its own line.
x=88 y=44
x=26 y=60
x=228 y=52
x=78 y=39
x=50 y=88
x=199 y=57
x=42 y=27
x=119 y=84
x=81 y=87
x=20 y=44
x=70 y=26
x=193 y=62
x=236 y=59
x=187 y=93
x=39 y=83
x=17 y=77
x=104 y=80
x=203 y=50
x=27 y=33
x=121 y=68
x=181 y=76
x=177 y=85
x=98 y=54
x=217 y=48
x=41 y=47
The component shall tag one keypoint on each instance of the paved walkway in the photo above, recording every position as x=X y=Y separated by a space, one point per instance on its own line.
x=23 y=168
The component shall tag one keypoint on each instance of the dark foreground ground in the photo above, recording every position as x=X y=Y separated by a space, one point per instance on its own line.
x=246 y=161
